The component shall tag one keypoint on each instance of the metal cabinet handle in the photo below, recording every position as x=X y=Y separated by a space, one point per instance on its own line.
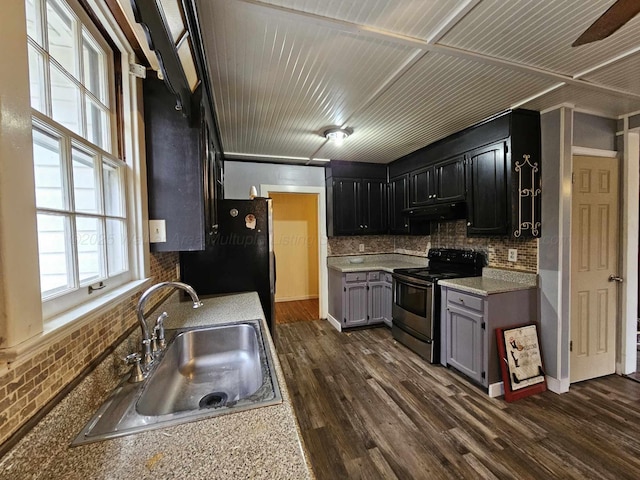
x=614 y=278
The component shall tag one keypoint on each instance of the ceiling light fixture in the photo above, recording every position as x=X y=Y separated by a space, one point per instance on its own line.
x=337 y=134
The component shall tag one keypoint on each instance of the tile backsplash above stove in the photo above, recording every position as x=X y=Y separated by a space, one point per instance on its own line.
x=451 y=234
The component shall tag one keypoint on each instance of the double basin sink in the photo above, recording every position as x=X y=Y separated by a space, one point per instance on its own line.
x=203 y=372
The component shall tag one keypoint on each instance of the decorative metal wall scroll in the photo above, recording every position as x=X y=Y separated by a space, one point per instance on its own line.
x=528 y=193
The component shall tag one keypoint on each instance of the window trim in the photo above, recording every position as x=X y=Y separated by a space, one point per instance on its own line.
x=127 y=133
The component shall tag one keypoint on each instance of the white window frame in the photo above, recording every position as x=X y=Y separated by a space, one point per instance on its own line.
x=137 y=262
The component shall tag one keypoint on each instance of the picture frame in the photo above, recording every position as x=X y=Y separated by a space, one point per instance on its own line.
x=520 y=361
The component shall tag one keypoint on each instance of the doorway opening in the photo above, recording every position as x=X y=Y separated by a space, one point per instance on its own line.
x=295 y=243
x=300 y=245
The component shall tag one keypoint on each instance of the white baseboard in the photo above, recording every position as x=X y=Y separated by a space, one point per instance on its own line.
x=558 y=385
x=496 y=389
x=295 y=299
x=334 y=323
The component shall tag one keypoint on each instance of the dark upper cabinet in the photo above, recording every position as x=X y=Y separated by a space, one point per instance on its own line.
x=486 y=190
x=440 y=182
x=398 y=201
x=449 y=180
x=346 y=206
x=356 y=198
x=359 y=206
x=184 y=170
x=374 y=206
x=175 y=170
x=422 y=187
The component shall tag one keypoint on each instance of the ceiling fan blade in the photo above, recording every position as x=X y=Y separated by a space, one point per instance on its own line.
x=615 y=17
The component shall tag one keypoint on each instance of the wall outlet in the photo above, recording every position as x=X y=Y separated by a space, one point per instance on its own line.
x=157 y=231
x=513 y=255
x=361 y=247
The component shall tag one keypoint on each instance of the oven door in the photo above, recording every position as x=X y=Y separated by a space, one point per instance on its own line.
x=413 y=306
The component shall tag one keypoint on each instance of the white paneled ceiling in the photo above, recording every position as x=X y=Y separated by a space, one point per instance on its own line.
x=401 y=74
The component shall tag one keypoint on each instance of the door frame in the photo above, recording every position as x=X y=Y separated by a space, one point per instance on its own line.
x=323 y=283
x=626 y=353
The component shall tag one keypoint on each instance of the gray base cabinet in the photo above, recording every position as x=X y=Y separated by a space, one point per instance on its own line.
x=469 y=322
x=360 y=298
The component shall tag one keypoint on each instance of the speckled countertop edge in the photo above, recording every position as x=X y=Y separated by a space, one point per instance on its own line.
x=385 y=262
x=485 y=285
x=262 y=443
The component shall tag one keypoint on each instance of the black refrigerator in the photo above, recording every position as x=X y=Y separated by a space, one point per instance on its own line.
x=239 y=257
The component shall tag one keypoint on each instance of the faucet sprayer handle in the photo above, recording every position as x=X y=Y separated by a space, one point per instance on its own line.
x=137 y=375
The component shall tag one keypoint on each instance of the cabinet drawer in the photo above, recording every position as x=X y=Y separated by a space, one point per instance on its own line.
x=465 y=300
x=374 y=276
x=355 y=277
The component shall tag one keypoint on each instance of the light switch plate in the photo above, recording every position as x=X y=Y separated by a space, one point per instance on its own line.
x=157 y=231
x=513 y=255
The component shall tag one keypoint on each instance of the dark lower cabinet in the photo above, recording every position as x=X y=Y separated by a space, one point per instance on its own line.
x=487 y=190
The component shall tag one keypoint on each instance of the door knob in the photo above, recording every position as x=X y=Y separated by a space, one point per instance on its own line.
x=613 y=278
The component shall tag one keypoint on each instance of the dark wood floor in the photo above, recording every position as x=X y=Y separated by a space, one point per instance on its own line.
x=369 y=408
x=297 y=311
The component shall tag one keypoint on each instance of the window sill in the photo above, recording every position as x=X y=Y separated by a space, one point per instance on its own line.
x=64 y=324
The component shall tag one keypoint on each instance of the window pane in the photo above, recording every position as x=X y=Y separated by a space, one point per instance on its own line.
x=94 y=67
x=90 y=249
x=85 y=190
x=116 y=246
x=61 y=26
x=48 y=171
x=37 y=80
x=33 y=21
x=65 y=100
x=113 y=191
x=53 y=249
x=97 y=126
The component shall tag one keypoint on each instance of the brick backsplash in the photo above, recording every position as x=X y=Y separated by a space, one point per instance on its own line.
x=450 y=234
x=28 y=384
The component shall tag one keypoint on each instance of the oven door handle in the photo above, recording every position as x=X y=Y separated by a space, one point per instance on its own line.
x=406 y=281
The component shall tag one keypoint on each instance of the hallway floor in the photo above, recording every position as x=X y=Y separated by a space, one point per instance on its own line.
x=370 y=408
x=297 y=311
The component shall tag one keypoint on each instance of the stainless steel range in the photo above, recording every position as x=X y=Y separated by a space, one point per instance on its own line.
x=416 y=298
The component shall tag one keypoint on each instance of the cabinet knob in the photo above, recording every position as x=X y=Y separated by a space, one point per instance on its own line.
x=366 y=226
x=468 y=224
x=361 y=226
x=406 y=225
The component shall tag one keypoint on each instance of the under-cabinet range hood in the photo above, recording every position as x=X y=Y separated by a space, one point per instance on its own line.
x=440 y=211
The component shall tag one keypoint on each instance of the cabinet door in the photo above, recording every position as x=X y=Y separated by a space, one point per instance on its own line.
x=387 y=301
x=346 y=206
x=398 y=201
x=377 y=307
x=354 y=305
x=374 y=206
x=486 y=191
x=449 y=180
x=465 y=342
x=421 y=187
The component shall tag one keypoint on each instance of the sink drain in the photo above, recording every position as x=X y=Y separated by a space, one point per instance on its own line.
x=213 y=400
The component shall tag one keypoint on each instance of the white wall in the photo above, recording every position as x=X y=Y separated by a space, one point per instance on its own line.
x=240 y=176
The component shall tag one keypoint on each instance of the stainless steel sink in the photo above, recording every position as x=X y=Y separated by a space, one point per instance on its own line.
x=203 y=372
x=207 y=368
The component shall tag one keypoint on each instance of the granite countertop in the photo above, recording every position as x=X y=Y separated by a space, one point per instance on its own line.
x=386 y=262
x=492 y=281
x=262 y=443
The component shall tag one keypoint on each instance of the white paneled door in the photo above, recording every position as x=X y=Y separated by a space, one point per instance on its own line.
x=594 y=267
